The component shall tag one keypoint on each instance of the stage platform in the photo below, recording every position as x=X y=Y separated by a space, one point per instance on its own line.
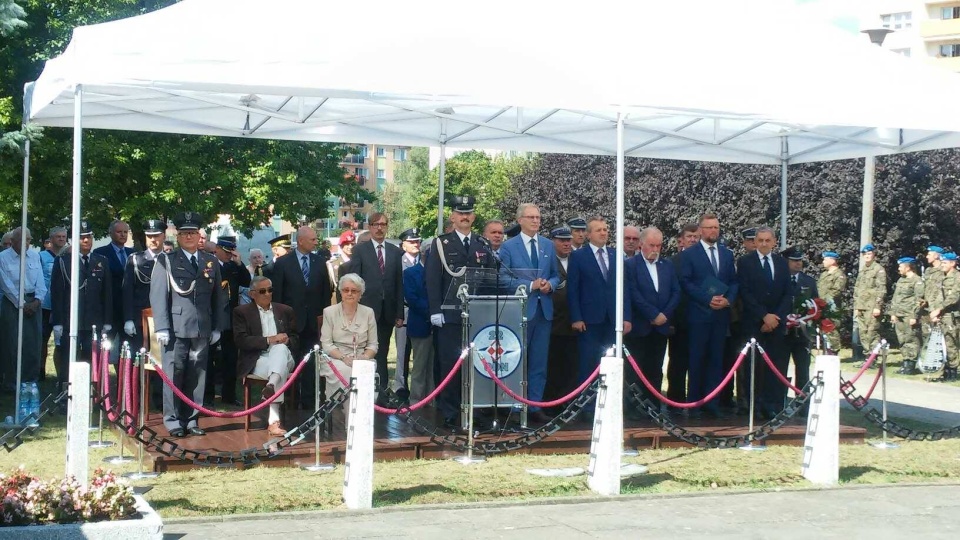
x=396 y=439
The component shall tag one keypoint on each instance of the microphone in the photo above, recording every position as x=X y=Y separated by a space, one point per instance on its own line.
x=489 y=247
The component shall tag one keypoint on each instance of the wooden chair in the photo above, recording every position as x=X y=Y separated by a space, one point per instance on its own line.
x=151 y=345
x=248 y=382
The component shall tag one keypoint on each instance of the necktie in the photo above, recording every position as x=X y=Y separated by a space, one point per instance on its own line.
x=193 y=261
x=534 y=255
x=86 y=263
x=380 y=258
x=794 y=279
x=466 y=244
x=713 y=259
x=123 y=260
x=603 y=263
x=305 y=266
x=766 y=266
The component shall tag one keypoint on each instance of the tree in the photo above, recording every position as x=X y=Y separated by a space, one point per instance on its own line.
x=409 y=179
x=10 y=17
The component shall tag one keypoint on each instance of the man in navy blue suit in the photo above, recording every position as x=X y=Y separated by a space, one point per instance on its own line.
x=591 y=294
x=654 y=296
x=533 y=262
x=116 y=254
x=767 y=296
x=708 y=279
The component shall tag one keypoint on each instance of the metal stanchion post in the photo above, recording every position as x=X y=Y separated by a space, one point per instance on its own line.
x=749 y=445
x=140 y=475
x=470 y=459
x=884 y=444
x=104 y=346
x=93 y=377
x=122 y=391
x=317 y=466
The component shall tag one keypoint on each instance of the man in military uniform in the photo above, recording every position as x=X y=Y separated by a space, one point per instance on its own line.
x=563 y=364
x=932 y=284
x=905 y=313
x=944 y=310
x=868 y=294
x=223 y=364
x=279 y=246
x=136 y=282
x=347 y=241
x=831 y=285
x=188 y=309
x=578 y=228
x=410 y=244
x=451 y=252
x=799 y=339
x=749 y=236
x=95 y=298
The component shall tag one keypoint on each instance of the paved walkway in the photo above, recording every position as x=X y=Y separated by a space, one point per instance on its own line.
x=858 y=512
x=931 y=402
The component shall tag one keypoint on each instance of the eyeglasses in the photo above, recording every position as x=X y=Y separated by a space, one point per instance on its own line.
x=268 y=290
x=378 y=225
x=349 y=291
x=188 y=233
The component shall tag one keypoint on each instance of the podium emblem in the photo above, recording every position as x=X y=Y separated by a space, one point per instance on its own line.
x=500 y=347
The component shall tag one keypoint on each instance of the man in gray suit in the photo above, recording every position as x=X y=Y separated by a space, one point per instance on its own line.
x=188 y=307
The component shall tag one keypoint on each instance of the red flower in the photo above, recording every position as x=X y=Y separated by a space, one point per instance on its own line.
x=821 y=303
x=827 y=326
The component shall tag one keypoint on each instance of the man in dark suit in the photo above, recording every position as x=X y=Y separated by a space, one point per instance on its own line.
x=654 y=296
x=300 y=281
x=450 y=253
x=591 y=295
x=233 y=275
x=563 y=364
x=95 y=301
x=379 y=264
x=265 y=338
x=708 y=279
x=679 y=333
x=188 y=309
x=116 y=254
x=765 y=291
x=798 y=340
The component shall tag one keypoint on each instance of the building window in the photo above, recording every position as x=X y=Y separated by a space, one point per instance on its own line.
x=360 y=172
x=399 y=154
x=897 y=21
x=381 y=152
x=950 y=13
x=950 y=51
x=381 y=174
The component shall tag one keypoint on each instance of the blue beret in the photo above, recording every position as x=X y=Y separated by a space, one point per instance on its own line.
x=831 y=254
x=936 y=249
x=906 y=260
x=950 y=256
x=867 y=248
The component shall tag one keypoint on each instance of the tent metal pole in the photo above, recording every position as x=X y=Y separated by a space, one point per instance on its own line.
x=440 y=196
x=75 y=218
x=784 y=159
x=619 y=236
x=866 y=225
x=23 y=274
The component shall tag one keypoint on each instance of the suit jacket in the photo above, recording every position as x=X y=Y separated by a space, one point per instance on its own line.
x=384 y=291
x=646 y=301
x=438 y=280
x=136 y=286
x=695 y=269
x=761 y=295
x=96 y=303
x=187 y=303
x=248 y=333
x=116 y=280
x=516 y=256
x=561 y=305
x=232 y=277
x=591 y=298
x=289 y=288
x=415 y=295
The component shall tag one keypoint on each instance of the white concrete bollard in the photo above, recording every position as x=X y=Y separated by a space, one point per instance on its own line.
x=821 y=446
x=606 y=446
x=358 y=465
x=78 y=421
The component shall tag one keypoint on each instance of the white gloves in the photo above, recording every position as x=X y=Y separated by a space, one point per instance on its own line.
x=163 y=337
x=107 y=327
x=57 y=334
x=437 y=320
x=214 y=337
x=129 y=328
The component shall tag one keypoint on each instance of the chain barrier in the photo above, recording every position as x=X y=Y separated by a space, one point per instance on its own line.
x=693 y=404
x=861 y=404
x=12 y=439
x=705 y=441
x=542 y=404
x=869 y=361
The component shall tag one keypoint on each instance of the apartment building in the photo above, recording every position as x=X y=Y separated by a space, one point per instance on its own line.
x=373 y=166
x=921 y=29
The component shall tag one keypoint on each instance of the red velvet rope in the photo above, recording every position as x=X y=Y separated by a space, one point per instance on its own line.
x=866 y=365
x=693 y=404
x=874 y=385
x=418 y=405
x=238 y=414
x=773 y=368
x=542 y=404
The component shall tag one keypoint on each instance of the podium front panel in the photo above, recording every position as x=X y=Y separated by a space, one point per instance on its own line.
x=501 y=345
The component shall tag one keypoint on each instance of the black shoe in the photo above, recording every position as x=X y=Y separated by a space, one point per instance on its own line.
x=403 y=395
x=538 y=417
x=178 y=433
x=452 y=423
x=196 y=432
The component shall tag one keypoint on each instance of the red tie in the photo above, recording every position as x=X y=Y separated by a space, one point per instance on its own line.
x=380 y=258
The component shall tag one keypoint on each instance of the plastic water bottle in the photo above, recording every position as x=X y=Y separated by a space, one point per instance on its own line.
x=24 y=409
x=34 y=403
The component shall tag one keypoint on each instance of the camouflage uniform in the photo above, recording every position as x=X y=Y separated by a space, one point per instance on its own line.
x=932 y=286
x=868 y=295
x=905 y=305
x=831 y=286
x=949 y=302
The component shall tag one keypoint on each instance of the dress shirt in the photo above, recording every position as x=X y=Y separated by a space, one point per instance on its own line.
x=461 y=236
x=769 y=256
x=563 y=262
x=10 y=275
x=47 y=259
x=652 y=268
x=268 y=325
x=606 y=259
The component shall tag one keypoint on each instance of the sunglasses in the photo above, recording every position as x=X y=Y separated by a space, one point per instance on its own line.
x=268 y=290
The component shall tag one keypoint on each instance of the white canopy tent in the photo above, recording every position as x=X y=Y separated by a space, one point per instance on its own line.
x=736 y=81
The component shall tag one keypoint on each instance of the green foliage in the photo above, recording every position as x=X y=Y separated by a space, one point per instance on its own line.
x=11 y=17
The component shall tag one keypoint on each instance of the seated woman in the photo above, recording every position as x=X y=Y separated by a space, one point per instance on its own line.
x=349 y=332
x=265 y=334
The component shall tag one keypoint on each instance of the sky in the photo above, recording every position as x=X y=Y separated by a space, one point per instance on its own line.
x=845 y=14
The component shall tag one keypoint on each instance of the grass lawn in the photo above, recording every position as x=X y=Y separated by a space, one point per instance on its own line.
x=262 y=489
